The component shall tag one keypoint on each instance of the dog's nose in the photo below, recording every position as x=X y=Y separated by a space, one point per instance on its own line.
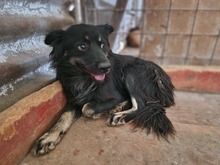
x=104 y=66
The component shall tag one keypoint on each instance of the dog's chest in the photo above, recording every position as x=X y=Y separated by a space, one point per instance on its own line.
x=85 y=90
x=106 y=91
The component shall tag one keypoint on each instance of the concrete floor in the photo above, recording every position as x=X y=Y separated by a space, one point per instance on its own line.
x=196 y=118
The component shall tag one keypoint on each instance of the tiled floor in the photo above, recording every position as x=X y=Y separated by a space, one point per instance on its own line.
x=196 y=118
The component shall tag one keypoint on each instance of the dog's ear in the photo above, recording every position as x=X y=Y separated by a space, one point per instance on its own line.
x=107 y=28
x=54 y=37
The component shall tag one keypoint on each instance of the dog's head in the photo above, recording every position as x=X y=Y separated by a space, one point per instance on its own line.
x=83 y=46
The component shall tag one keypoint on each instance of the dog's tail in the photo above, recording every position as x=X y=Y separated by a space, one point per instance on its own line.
x=153 y=119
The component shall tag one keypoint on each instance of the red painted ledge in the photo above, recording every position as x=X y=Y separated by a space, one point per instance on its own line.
x=195 y=78
x=25 y=121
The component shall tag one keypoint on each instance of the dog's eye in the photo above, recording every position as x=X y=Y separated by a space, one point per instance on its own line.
x=82 y=47
x=102 y=46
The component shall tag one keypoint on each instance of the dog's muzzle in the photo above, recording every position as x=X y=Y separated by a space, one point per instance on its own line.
x=104 y=67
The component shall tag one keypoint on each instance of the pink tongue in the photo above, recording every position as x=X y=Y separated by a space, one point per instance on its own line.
x=99 y=77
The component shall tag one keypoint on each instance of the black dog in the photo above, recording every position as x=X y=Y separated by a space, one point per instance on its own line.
x=96 y=82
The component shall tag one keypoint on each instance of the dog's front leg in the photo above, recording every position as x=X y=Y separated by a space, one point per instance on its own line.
x=97 y=109
x=49 y=140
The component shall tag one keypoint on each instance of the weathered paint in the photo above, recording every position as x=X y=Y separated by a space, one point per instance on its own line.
x=197 y=79
x=25 y=121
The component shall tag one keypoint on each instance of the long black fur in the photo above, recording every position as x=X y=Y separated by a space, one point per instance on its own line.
x=125 y=76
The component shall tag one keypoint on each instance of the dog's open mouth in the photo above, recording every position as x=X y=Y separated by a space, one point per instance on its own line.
x=99 y=77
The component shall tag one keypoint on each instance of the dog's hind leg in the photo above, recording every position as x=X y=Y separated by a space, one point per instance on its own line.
x=153 y=91
x=120 y=118
x=120 y=107
x=49 y=140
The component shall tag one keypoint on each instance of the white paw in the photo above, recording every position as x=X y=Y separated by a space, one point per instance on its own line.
x=116 y=120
